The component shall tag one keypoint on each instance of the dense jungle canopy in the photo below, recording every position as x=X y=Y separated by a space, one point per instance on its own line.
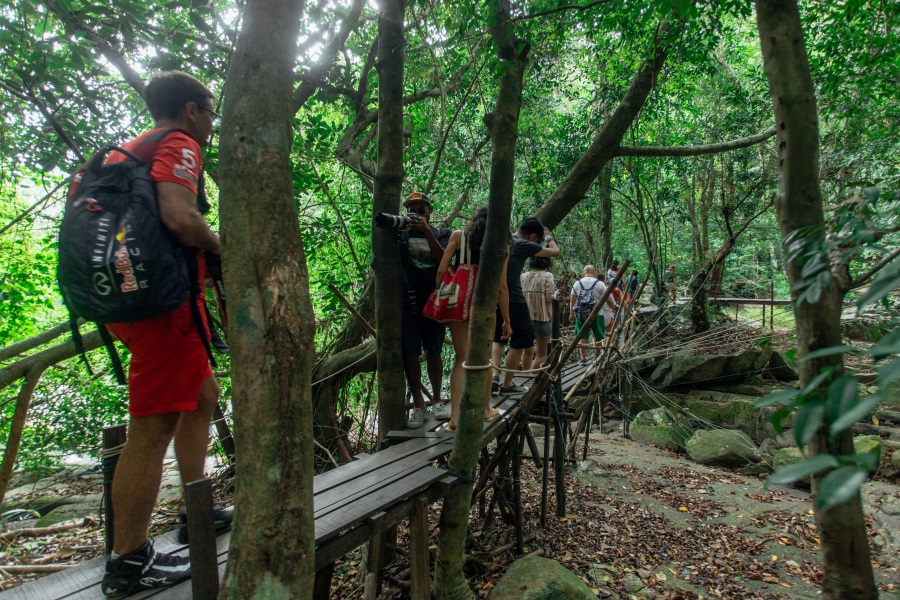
x=646 y=133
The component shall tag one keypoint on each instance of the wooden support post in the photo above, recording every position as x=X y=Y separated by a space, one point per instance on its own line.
x=545 y=476
x=375 y=561
x=224 y=433
x=559 y=459
x=772 y=309
x=419 y=556
x=198 y=499
x=322 y=584
x=517 y=493
x=114 y=438
x=370 y=588
x=533 y=448
x=587 y=429
x=626 y=424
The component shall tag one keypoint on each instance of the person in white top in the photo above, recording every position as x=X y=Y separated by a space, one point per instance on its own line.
x=540 y=290
x=586 y=292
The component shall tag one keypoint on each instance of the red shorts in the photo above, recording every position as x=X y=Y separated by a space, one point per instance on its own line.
x=168 y=363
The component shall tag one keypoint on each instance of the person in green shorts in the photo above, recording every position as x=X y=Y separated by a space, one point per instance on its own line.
x=586 y=292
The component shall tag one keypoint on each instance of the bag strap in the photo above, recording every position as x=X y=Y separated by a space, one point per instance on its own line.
x=113 y=355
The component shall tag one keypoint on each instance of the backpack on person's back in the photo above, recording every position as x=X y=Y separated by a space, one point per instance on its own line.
x=118 y=263
x=585 y=300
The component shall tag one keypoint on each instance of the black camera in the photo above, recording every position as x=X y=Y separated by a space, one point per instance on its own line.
x=389 y=221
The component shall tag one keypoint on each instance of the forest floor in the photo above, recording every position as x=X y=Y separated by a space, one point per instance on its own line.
x=641 y=523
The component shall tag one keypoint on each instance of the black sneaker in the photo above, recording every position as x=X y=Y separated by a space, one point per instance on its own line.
x=495 y=385
x=143 y=569
x=513 y=390
x=221 y=515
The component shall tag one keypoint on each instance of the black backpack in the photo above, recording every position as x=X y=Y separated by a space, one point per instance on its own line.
x=118 y=263
x=585 y=301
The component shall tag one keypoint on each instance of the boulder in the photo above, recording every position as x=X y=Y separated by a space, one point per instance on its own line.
x=722 y=447
x=662 y=428
x=868 y=444
x=787 y=457
x=895 y=460
x=768 y=449
x=782 y=367
x=538 y=578
x=89 y=506
x=688 y=367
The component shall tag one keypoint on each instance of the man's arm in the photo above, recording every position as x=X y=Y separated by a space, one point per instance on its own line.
x=551 y=250
x=178 y=211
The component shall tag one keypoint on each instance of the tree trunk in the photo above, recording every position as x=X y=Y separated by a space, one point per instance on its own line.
x=23 y=401
x=503 y=123
x=388 y=185
x=271 y=332
x=606 y=218
x=846 y=556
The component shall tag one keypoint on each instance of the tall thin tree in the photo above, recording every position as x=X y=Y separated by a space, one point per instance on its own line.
x=272 y=323
x=842 y=529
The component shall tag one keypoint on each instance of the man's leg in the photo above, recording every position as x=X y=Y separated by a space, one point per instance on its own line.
x=137 y=478
x=435 y=375
x=413 y=370
x=192 y=433
x=512 y=363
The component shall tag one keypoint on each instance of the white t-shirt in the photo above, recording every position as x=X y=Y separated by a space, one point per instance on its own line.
x=598 y=290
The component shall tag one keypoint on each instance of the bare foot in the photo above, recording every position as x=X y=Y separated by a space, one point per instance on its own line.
x=491 y=414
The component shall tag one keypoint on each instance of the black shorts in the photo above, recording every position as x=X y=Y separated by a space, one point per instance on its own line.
x=420 y=333
x=523 y=330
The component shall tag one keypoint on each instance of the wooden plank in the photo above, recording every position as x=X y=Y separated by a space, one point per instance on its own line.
x=341 y=475
x=330 y=551
x=380 y=475
x=408 y=434
x=83 y=579
x=330 y=525
x=753 y=301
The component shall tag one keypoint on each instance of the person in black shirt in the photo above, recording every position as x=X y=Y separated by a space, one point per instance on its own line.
x=525 y=244
x=421 y=247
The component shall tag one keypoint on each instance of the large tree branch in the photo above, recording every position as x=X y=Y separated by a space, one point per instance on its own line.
x=316 y=74
x=50 y=356
x=606 y=143
x=865 y=277
x=696 y=150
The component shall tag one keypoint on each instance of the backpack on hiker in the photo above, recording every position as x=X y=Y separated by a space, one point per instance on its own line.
x=585 y=301
x=118 y=263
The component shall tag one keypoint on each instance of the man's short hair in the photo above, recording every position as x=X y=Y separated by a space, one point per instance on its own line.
x=532 y=226
x=589 y=269
x=168 y=92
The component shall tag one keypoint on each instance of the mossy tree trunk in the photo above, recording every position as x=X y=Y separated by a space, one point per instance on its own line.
x=845 y=549
x=388 y=188
x=272 y=322
x=503 y=124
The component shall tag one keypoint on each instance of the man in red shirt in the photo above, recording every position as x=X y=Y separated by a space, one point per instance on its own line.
x=171 y=387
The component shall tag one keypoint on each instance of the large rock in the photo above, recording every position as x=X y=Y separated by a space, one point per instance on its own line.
x=868 y=326
x=87 y=506
x=787 y=457
x=688 y=368
x=782 y=367
x=868 y=444
x=734 y=411
x=722 y=447
x=538 y=578
x=662 y=428
x=895 y=459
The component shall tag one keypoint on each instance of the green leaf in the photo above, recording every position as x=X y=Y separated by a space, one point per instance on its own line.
x=840 y=485
x=889 y=344
x=791 y=354
x=797 y=471
x=856 y=413
x=813 y=293
x=809 y=418
x=778 y=416
x=830 y=351
x=889 y=372
x=778 y=397
x=883 y=285
x=817 y=381
x=841 y=396
x=867 y=461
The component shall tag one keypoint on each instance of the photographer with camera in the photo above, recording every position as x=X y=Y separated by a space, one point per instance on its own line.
x=421 y=249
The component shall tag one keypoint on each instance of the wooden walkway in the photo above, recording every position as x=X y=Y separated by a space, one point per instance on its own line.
x=353 y=502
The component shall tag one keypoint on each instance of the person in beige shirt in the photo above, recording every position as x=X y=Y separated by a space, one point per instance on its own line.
x=540 y=290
